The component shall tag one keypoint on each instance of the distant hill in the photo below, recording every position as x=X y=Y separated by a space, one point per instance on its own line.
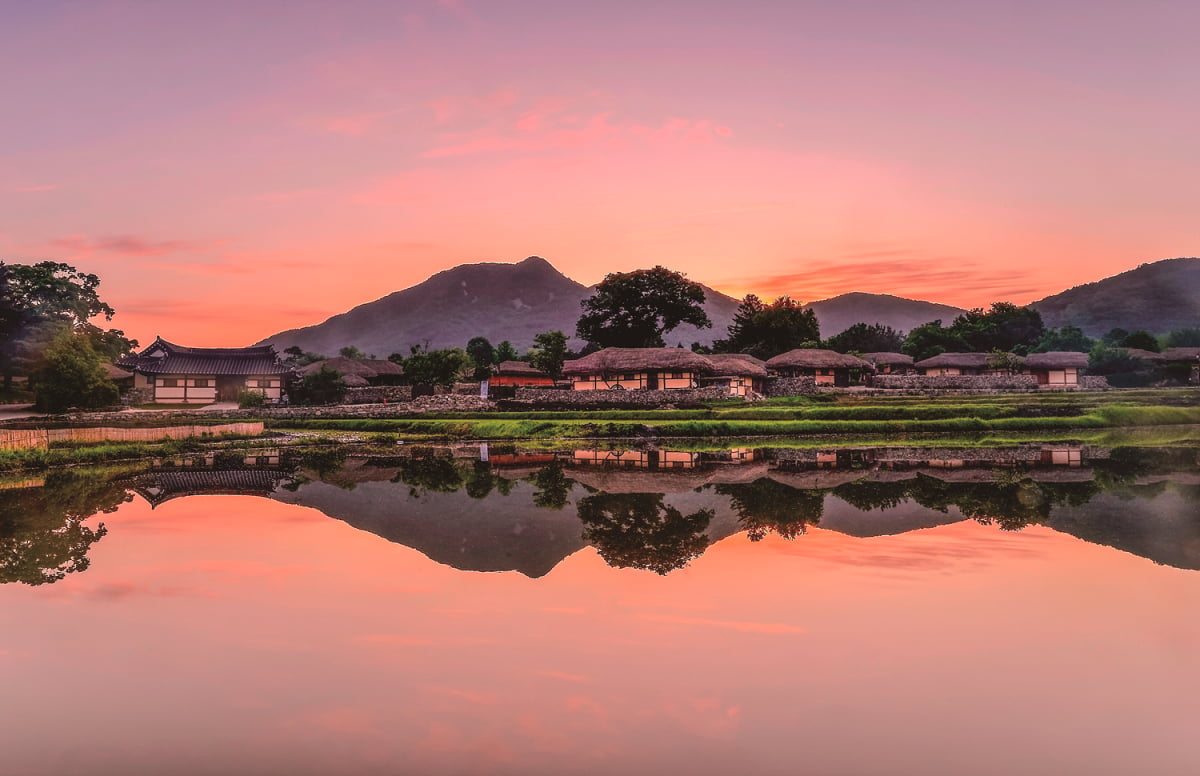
x=839 y=313
x=517 y=301
x=1157 y=297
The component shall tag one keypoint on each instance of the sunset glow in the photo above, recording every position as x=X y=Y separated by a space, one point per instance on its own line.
x=231 y=170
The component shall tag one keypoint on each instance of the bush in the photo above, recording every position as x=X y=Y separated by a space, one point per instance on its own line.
x=70 y=374
x=321 y=387
x=248 y=398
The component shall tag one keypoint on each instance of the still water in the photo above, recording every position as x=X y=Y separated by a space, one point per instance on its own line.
x=478 y=610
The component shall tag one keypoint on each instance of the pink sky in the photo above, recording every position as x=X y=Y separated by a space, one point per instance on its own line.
x=234 y=169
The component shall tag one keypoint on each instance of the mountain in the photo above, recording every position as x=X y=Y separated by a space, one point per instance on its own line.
x=1158 y=297
x=517 y=301
x=839 y=313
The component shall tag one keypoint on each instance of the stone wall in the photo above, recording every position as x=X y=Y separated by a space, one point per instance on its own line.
x=790 y=386
x=378 y=394
x=957 y=382
x=550 y=397
x=1094 y=383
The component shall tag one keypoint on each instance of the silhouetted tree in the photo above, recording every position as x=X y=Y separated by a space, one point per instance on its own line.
x=931 y=339
x=553 y=487
x=483 y=354
x=506 y=352
x=766 y=330
x=1184 y=338
x=863 y=338
x=765 y=506
x=548 y=352
x=1142 y=340
x=634 y=309
x=325 y=386
x=1068 y=338
x=1004 y=326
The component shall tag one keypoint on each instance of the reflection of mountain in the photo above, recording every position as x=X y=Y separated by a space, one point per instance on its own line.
x=1161 y=523
x=500 y=533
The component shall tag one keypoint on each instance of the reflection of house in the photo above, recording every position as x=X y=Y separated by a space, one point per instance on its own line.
x=634 y=368
x=890 y=363
x=959 y=364
x=359 y=372
x=825 y=366
x=519 y=373
x=739 y=374
x=175 y=374
x=159 y=487
x=638 y=459
x=1057 y=369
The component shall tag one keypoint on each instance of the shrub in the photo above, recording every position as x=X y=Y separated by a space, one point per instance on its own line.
x=248 y=398
x=69 y=374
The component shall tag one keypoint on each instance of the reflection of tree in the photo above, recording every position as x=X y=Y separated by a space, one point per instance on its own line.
x=766 y=506
x=434 y=474
x=553 y=487
x=480 y=481
x=638 y=530
x=42 y=533
x=867 y=495
x=324 y=461
x=1012 y=502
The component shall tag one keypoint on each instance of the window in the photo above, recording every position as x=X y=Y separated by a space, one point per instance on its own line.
x=628 y=377
x=168 y=382
x=260 y=383
x=202 y=382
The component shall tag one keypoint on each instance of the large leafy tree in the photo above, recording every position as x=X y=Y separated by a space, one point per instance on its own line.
x=1004 y=326
x=1068 y=338
x=866 y=338
x=435 y=367
x=483 y=354
x=549 y=352
x=70 y=373
x=634 y=309
x=766 y=330
x=36 y=300
x=639 y=530
x=932 y=338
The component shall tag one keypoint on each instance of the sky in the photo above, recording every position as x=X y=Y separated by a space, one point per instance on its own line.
x=233 y=169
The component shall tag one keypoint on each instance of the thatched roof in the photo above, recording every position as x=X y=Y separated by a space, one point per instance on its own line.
x=1057 y=359
x=612 y=360
x=518 y=369
x=1145 y=355
x=888 y=359
x=806 y=358
x=738 y=364
x=959 y=360
x=1181 y=354
x=116 y=373
x=353 y=370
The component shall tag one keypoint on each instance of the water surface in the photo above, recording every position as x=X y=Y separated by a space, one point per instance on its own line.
x=861 y=611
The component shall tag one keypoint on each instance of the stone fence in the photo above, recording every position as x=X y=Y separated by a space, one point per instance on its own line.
x=550 y=397
x=379 y=394
x=1094 y=383
x=957 y=382
x=790 y=386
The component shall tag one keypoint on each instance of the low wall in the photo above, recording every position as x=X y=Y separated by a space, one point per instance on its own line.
x=1094 y=383
x=543 y=397
x=790 y=386
x=41 y=438
x=379 y=394
x=958 y=382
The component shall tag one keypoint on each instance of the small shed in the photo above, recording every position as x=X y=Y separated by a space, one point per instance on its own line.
x=739 y=373
x=519 y=373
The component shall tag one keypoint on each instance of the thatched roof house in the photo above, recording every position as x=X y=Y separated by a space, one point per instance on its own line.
x=1145 y=355
x=889 y=363
x=1056 y=359
x=961 y=364
x=359 y=372
x=827 y=367
x=1057 y=369
x=633 y=368
x=1178 y=355
x=739 y=373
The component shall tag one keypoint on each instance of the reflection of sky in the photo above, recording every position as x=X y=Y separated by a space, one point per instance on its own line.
x=233 y=634
x=962 y=152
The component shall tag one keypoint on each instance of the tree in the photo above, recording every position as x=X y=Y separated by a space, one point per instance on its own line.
x=1184 y=338
x=298 y=357
x=70 y=373
x=548 y=353
x=1068 y=338
x=484 y=356
x=352 y=352
x=931 y=339
x=766 y=506
x=1004 y=326
x=506 y=352
x=36 y=300
x=437 y=367
x=1142 y=340
x=634 y=309
x=325 y=386
x=864 y=338
x=766 y=330
x=1114 y=336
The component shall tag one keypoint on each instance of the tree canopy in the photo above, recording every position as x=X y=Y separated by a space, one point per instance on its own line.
x=766 y=330
x=548 y=353
x=69 y=373
x=864 y=338
x=1004 y=326
x=483 y=354
x=634 y=309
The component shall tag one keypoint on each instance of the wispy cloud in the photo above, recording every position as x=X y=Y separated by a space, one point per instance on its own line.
x=125 y=245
